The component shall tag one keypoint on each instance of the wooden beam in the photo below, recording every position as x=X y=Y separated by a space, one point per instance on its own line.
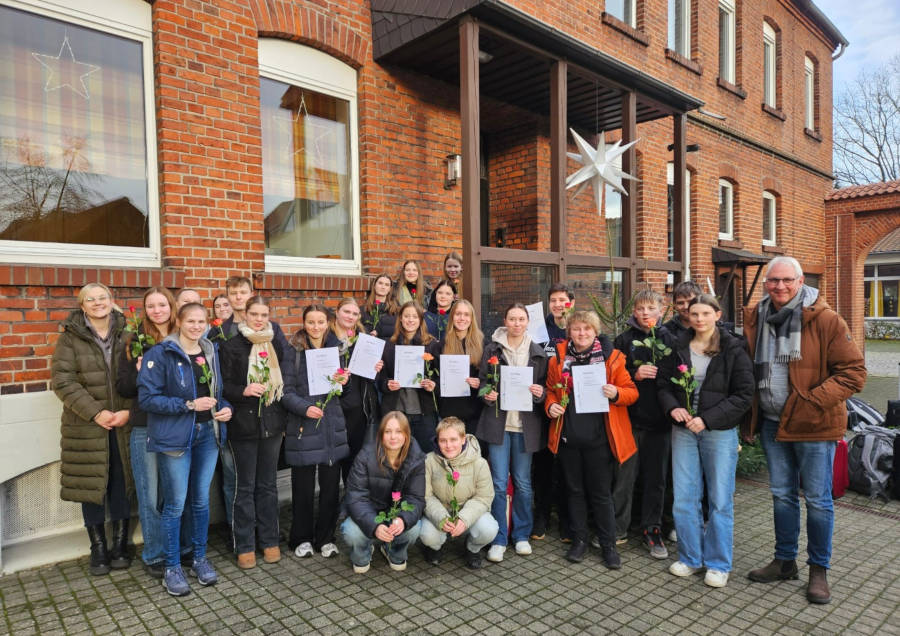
x=629 y=202
x=679 y=216
x=516 y=257
x=471 y=157
x=558 y=159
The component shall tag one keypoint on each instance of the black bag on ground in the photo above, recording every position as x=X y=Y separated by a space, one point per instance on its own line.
x=892 y=420
x=871 y=459
x=861 y=414
x=896 y=470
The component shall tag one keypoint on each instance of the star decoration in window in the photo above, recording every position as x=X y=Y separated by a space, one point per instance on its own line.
x=64 y=71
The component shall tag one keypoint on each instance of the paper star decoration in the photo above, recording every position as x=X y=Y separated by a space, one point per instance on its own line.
x=600 y=166
x=64 y=71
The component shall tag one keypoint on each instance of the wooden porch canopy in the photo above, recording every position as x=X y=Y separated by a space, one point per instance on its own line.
x=734 y=259
x=491 y=48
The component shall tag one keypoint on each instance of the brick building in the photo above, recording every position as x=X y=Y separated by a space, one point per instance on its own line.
x=308 y=144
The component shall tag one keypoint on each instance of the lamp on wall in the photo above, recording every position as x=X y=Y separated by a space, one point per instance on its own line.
x=453 y=165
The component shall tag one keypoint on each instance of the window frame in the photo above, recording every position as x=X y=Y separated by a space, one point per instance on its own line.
x=680 y=10
x=770 y=66
x=728 y=53
x=876 y=295
x=670 y=181
x=809 y=93
x=729 y=216
x=306 y=67
x=629 y=13
x=131 y=20
x=770 y=208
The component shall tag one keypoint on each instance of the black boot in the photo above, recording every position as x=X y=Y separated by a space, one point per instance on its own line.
x=99 y=555
x=577 y=551
x=119 y=554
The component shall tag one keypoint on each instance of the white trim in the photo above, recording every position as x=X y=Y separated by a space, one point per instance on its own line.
x=130 y=19
x=629 y=13
x=728 y=234
x=297 y=64
x=728 y=48
x=679 y=29
x=670 y=181
x=770 y=66
x=770 y=208
x=809 y=92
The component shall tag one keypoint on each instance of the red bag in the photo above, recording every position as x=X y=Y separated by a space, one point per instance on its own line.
x=509 y=498
x=841 y=478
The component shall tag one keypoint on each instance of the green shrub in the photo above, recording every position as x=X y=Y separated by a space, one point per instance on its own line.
x=751 y=459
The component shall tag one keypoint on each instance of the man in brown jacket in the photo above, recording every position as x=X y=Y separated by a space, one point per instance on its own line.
x=806 y=365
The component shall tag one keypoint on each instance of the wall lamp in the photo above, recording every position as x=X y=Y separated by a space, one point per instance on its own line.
x=453 y=165
x=688 y=148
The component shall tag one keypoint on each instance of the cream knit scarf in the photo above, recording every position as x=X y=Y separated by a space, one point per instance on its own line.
x=262 y=342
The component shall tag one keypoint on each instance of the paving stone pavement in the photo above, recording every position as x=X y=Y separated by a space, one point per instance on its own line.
x=542 y=593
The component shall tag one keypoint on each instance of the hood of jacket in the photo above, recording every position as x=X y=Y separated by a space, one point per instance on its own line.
x=172 y=345
x=470 y=453
x=76 y=324
x=501 y=337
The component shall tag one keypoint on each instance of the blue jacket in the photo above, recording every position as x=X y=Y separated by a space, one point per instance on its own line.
x=165 y=384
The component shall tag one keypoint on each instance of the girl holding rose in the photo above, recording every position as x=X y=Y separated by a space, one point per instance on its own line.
x=258 y=379
x=411 y=285
x=705 y=387
x=437 y=316
x=379 y=312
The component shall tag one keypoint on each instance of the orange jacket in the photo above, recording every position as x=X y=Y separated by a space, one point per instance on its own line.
x=618 y=426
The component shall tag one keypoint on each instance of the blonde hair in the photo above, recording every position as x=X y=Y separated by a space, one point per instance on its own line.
x=83 y=293
x=473 y=343
x=448 y=423
x=588 y=317
x=358 y=326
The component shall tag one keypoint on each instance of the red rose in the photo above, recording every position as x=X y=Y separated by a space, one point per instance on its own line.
x=200 y=360
x=412 y=290
x=131 y=308
x=217 y=322
x=442 y=311
x=378 y=302
x=263 y=354
x=493 y=360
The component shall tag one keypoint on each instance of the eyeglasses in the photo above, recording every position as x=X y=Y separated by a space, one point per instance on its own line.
x=773 y=282
x=96 y=299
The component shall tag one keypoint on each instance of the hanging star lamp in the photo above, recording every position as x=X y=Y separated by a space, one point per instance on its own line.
x=598 y=167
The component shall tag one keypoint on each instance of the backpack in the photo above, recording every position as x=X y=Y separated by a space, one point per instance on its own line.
x=870 y=461
x=841 y=477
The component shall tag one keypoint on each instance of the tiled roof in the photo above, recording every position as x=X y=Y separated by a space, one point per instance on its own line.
x=865 y=190
x=890 y=243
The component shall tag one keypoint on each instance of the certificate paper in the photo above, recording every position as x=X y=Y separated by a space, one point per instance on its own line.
x=408 y=363
x=322 y=364
x=366 y=355
x=515 y=394
x=454 y=371
x=537 y=326
x=588 y=381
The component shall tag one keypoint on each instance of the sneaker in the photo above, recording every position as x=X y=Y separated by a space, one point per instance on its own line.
x=246 y=560
x=595 y=542
x=495 y=553
x=362 y=569
x=653 y=541
x=673 y=536
x=156 y=570
x=203 y=570
x=272 y=554
x=716 y=578
x=679 y=568
x=523 y=548
x=539 y=530
x=175 y=582
x=396 y=567
x=473 y=560
x=304 y=550
x=577 y=551
x=621 y=539
x=329 y=550
x=611 y=558
x=432 y=556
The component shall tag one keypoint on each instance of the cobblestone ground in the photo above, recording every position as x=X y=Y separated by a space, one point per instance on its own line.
x=536 y=594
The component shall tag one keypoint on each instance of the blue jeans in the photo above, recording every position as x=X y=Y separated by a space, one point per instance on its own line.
x=361 y=546
x=510 y=458
x=790 y=465
x=479 y=535
x=145 y=469
x=710 y=456
x=193 y=471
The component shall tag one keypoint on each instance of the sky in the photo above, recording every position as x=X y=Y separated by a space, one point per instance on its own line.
x=873 y=29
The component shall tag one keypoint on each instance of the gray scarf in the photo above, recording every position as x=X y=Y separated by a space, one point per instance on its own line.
x=786 y=323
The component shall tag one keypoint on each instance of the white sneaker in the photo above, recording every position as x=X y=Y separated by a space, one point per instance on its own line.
x=495 y=553
x=673 y=536
x=304 y=550
x=361 y=569
x=716 y=578
x=396 y=567
x=682 y=569
x=329 y=550
x=523 y=548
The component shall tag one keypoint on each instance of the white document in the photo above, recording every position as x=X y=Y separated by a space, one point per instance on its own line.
x=588 y=381
x=322 y=364
x=366 y=355
x=453 y=375
x=537 y=326
x=515 y=392
x=408 y=363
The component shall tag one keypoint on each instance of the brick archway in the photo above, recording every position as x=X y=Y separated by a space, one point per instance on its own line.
x=856 y=218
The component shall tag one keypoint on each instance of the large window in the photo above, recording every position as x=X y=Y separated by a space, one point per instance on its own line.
x=77 y=137
x=880 y=289
x=726 y=210
x=670 y=214
x=310 y=160
x=679 y=37
x=624 y=10
x=770 y=66
x=769 y=218
x=809 y=93
x=727 y=42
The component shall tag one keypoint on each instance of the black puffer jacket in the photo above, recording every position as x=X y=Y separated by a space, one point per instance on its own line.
x=645 y=414
x=234 y=360
x=370 y=485
x=727 y=392
x=386 y=323
x=306 y=444
x=390 y=400
x=126 y=382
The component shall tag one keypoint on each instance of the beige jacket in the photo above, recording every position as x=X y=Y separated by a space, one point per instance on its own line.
x=474 y=489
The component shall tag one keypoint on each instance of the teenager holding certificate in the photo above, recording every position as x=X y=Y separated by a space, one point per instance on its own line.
x=512 y=435
x=379 y=312
x=418 y=404
x=463 y=337
x=589 y=443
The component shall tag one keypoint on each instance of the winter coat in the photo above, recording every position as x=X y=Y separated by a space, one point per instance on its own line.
x=491 y=424
x=832 y=370
x=165 y=384
x=84 y=384
x=386 y=323
x=474 y=488
x=585 y=430
x=305 y=443
x=248 y=422
x=436 y=323
x=370 y=484
x=727 y=390
x=403 y=295
x=126 y=383
x=390 y=400
x=467 y=408
x=645 y=414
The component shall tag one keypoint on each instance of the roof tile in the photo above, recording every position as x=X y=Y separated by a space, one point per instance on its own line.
x=865 y=190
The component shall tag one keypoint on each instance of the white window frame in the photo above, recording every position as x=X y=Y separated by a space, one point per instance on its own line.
x=132 y=20
x=809 y=90
x=629 y=13
x=728 y=44
x=770 y=66
x=727 y=235
x=670 y=181
x=770 y=209
x=310 y=68
x=679 y=12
